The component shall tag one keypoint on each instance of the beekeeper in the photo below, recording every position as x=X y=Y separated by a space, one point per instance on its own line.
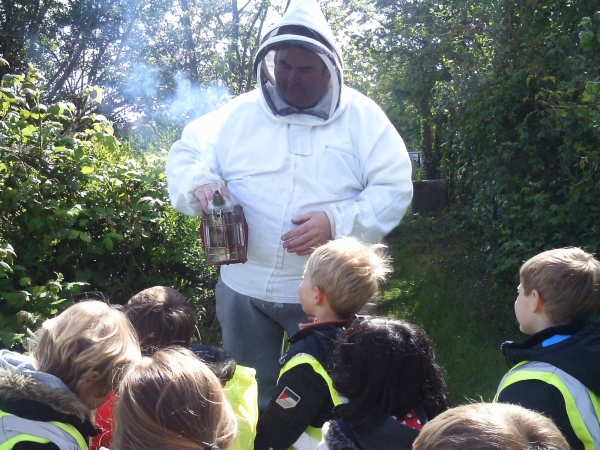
x=309 y=159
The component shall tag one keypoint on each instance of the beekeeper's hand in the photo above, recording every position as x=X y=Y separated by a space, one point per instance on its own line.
x=314 y=229
x=204 y=194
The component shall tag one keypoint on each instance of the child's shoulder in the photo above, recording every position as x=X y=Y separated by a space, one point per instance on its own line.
x=316 y=340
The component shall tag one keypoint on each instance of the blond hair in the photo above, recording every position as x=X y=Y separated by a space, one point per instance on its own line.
x=567 y=279
x=490 y=426
x=348 y=272
x=170 y=401
x=88 y=336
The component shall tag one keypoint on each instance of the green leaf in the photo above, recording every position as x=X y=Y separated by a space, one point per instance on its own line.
x=5 y=268
x=55 y=110
x=35 y=224
x=15 y=299
x=28 y=130
x=86 y=170
x=85 y=237
x=25 y=318
x=108 y=243
x=83 y=275
x=7 y=337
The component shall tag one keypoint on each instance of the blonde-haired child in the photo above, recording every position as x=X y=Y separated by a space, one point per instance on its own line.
x=556 y=370
x=339 y=279
x=490 y=426
x=46 y=398
x=172 y=401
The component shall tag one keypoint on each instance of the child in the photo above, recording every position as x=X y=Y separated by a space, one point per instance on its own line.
x=387 y=371
x=172 y=401
x=556 y=371
x=162 y=318
x=339 y=278
x=75 y=358
x=489 y=426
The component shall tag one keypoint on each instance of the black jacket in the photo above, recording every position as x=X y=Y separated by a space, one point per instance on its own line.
x=278 y=427
x=578 y=355
x=26 y=397
x=391 y=434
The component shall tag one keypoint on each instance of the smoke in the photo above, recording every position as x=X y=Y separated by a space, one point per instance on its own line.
x=174 y=98
x=142 y=84
x=195 y=101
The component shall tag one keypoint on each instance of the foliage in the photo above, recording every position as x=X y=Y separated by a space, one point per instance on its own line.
x=146 y=54
x=23 y=303
x=83 y=207
x=522 y=141
x=503 y=101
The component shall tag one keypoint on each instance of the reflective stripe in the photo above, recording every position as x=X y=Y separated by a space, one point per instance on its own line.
x=14 y=429
x=310 y=439
x=303 y=358
x=583 y=406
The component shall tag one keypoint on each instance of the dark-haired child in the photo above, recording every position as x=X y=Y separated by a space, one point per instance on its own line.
x=388 y=372
x=340 y=278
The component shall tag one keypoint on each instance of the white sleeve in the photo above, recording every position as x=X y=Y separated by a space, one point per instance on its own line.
x=387 y=171
x=192 y=162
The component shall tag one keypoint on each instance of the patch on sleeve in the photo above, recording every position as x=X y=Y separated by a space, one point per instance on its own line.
x=288 y=398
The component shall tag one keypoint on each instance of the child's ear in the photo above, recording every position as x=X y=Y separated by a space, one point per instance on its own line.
x=90 y=379
x=538 y=302
x=319 y=295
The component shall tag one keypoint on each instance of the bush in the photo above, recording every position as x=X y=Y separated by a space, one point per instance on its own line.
x=522 y=140
x=81 y=206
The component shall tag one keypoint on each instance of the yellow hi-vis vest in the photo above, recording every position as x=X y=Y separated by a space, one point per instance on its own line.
x=14 y=429
x=242 y=393
x=310 y=439
x=583 y=406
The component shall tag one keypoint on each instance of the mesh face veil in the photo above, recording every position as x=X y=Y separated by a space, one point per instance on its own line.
x=264 y=66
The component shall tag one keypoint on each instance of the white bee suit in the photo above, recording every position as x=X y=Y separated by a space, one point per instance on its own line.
x=343 y=157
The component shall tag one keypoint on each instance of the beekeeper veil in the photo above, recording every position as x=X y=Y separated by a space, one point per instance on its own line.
x=303 y=26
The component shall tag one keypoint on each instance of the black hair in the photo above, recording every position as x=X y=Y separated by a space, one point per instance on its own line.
x=386 y=368
x=300 y=30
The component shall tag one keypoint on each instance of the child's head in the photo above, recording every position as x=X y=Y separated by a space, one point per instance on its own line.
x=162 y=317
x=171 y=401
x=347 y=272
x=86 y=347
x=386 y=367
x=490 y=426
x=567 y=281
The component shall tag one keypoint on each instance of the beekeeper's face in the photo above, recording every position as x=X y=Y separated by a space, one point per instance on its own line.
x=301 y=77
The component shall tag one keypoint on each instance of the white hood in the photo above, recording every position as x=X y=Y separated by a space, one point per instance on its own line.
x=308 y=14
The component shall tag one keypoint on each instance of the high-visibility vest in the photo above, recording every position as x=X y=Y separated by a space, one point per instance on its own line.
x=583 y=405
x=310 y=439
x=15 y=429
x=242 y=393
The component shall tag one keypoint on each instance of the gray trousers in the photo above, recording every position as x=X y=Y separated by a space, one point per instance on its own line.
x=253 y=334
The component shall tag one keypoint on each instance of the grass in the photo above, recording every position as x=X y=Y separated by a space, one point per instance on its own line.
x=438 y=285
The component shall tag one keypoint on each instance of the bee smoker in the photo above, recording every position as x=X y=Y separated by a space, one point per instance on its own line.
x=224 y=232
